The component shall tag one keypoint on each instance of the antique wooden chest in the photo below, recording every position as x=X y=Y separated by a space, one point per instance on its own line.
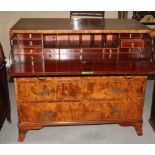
x=80 y=71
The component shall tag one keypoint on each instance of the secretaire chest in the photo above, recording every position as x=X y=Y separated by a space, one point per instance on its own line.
x=80 y=71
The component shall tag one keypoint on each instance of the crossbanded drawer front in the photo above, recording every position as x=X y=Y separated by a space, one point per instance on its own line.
x=115 y=89
x=76 y=88
x=70 y=111
x=88 y=110
x=48 y=89
x=132 y=43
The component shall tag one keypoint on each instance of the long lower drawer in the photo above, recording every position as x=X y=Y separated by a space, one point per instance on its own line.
x=80 y=110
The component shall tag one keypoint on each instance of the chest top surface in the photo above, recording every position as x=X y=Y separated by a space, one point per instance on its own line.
x=66 y=25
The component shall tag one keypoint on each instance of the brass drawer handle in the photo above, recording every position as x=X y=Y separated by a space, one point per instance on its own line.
x=46 y=92
x=118 y=90
x=115 y=111
x=46 y=114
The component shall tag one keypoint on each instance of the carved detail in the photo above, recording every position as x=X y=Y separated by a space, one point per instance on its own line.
x=21 y=136
x=136 y=125
x=23 y=128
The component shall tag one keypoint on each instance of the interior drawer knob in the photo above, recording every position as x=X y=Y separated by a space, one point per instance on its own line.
x=129 y=50
x=132 y=45
x=30 y=35
x=31 y=51
x=110 y=51
x=31 y=43
x=81 y=51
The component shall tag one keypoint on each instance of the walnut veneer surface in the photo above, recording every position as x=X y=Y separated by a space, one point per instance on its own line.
x=75 y=25
x=79 y=100
x=80 y=71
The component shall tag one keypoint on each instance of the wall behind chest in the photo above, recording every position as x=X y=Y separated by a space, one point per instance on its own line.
x=9 y=18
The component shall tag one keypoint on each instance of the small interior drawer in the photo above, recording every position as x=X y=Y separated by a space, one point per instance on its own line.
x=50 y=41
x=30 y=51
x=62 y=41
x=29 y=36
x=30 y=43
x=129 y=50
x=74 y=40
x=132 y=43
x=51 y=54
x=98 y=40
x=29 y=59
x=110 y=50
x=130 y=35
x=86 y=40
x=129 y=56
